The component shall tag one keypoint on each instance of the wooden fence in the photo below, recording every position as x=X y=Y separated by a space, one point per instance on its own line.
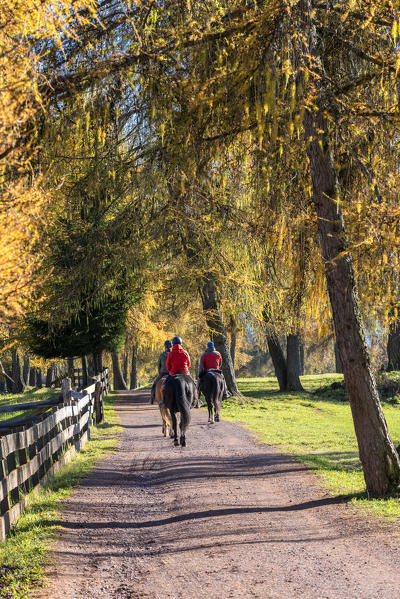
x=32 y=453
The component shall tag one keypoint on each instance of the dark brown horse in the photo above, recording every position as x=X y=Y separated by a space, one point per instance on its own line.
x=180 y=395
x=212 y=385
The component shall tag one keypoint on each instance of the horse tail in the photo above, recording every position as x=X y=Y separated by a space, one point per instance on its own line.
x=182 y=402
x=213 y=382
x=212 y=386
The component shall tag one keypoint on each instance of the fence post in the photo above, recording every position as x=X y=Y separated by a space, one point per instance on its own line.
x=105 y=376
x=66 y=389
x=98 y=402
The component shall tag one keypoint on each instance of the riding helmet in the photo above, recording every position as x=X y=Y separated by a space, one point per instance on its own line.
x=176 y=341
x=210 y=345
x=168 y=344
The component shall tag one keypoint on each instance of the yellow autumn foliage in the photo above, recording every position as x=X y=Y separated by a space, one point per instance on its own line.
x=26 y=25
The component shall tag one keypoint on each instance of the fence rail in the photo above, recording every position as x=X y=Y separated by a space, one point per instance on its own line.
x=30 y=455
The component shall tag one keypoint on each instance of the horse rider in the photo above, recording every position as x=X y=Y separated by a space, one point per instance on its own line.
x=162 y=367
x=211 y=360
x=178 y=359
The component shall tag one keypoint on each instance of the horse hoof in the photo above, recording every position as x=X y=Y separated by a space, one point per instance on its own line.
x=216 y=418
x=211 y=421
x=183 y=442
x=176 y=442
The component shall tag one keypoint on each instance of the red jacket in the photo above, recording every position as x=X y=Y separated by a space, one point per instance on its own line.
x=178 y=360
x=212 y=359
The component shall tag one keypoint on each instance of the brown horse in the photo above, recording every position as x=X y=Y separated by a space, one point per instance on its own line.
x=180 y=395
x=212 y=385
x=165 y=414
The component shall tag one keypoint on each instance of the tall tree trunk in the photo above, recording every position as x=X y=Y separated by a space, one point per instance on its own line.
x=70 y=370
x=302 y=366
x=278 y=360
x=275 y=351
x=70 y=366
x=378 y=456
x=119 y=382
x=32 y=377
x=212 y=313
x=3 y=385
x=39 y=381
x=233 y=346
x=18 y=385
x=338 y=362
x=126 y=365
x=393 y=346
x=211 y=309
x=26 y=369
x=50 y=375
x=90 y=365
x=97 y=362
x=95 y=365
x=85 y=380
x=293 y=363
x=134 y=381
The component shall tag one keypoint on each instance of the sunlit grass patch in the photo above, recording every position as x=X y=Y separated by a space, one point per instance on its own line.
x=22 y=556
x=31 y=395
x=316 y=430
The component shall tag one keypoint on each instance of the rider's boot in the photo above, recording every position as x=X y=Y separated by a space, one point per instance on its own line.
x=226 y=393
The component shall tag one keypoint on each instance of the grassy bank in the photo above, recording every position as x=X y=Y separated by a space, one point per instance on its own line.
x=315 y=428
x=23 y=555
x=31 y=395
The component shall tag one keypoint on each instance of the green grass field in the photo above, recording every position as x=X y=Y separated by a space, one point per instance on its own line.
x=31 y=395
x=316 y=429
x=23 y=555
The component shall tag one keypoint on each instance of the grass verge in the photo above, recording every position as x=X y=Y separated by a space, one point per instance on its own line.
x=23 y=555
x=31 y=395
x=316 y=429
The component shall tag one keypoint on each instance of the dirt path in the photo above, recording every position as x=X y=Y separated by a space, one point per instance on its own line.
x=223 y=518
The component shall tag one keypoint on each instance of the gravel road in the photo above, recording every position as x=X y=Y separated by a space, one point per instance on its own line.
x=222 y=518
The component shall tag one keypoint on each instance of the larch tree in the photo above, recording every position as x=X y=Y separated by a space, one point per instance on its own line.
x=321 y=77
x=28 y=27
x=272 y=70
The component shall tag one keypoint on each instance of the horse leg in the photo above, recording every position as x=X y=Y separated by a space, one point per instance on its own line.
x=167 y=428
x=182 y=433
x=163 y=428
x=169 y=424
x=175 y=427
x=217 y=403
x=210 y=411
x=166 y=421
x=217 y=408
